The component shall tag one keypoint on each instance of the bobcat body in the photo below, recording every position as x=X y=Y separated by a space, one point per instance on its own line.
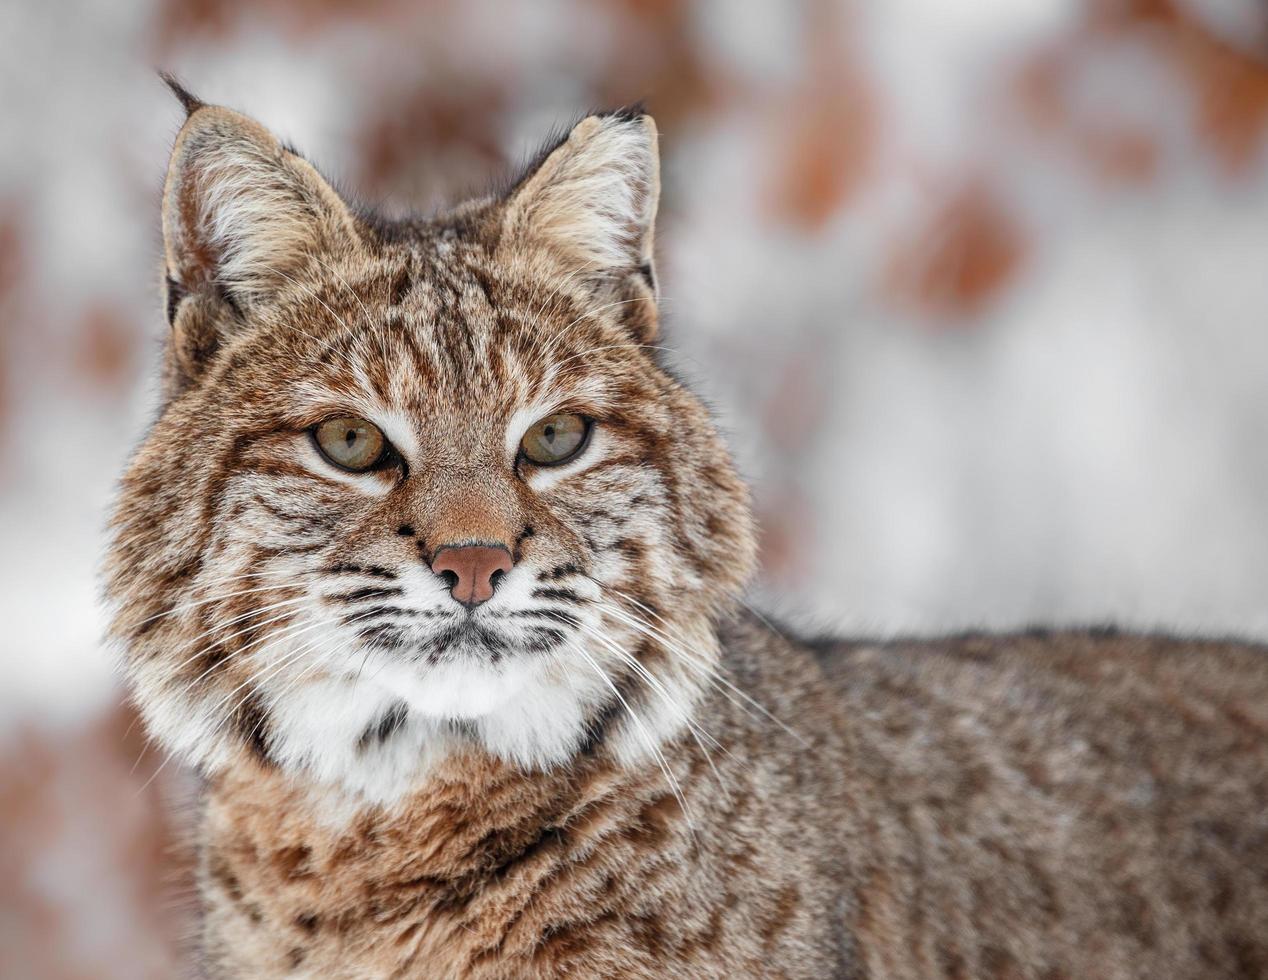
x=433 y=569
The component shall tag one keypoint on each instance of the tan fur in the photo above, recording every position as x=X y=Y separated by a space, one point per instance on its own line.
x=618 y=774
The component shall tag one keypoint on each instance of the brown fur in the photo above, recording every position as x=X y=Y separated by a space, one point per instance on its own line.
x=1057 y=805
x=728 y=801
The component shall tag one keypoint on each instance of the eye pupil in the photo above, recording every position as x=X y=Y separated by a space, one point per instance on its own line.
x=549 y=433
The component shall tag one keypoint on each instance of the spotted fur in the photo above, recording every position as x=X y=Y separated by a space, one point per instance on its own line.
x=608 y=769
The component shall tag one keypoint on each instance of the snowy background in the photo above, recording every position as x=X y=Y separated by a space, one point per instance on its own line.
x=978 y=287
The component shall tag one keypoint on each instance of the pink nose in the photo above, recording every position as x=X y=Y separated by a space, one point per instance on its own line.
x=473 y=572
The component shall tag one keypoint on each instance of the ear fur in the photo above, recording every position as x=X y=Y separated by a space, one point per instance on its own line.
x=593 y=200
x=241 y=212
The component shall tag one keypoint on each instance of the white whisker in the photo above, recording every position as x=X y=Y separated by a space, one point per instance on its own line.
x=692 y=657
x=193 y=604
x=593 y=350
x=290 y=658
x=647 y=738
x=287 y=603
x=644 y=672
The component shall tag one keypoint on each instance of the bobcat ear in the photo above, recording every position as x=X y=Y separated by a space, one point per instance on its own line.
x=241 y=213
x=240 y=210
x=593 y=200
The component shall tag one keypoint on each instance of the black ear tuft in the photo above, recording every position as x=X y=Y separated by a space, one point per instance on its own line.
x=626 y=113
x=175 y=293
x=629 y=113
x=190 y=101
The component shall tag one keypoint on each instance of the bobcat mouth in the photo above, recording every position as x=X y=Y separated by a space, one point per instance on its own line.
x=472 y=637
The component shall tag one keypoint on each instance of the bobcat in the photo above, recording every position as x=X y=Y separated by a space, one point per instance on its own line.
x=434 y=570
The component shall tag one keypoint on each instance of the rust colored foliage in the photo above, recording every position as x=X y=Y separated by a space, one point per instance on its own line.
x=179 y=20
x=658 y=58
x=74 y=805
x=823 y=153
x=1232 y=89
x=824 y=133
x=430 y=139
x=1124 y=156
x=960 y=260
x=1230 y=83
x=1116 y=149
x=11 y=265
x=105 y=346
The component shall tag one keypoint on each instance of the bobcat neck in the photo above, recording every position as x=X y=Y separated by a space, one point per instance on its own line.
x=485 y=870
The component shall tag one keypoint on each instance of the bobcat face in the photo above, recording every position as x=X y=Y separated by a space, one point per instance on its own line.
x=419 y=485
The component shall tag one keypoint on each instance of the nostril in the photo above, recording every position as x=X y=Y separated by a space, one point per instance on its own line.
x=450 y=579
x=496 y=577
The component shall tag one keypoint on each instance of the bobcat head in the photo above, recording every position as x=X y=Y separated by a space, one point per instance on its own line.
x=418 y=485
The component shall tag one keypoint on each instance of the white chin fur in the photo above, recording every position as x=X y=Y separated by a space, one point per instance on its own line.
x=463 y=689
x=320 y=729
x=531 y=712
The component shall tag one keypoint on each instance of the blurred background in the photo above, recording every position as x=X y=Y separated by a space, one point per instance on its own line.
x=979 y=288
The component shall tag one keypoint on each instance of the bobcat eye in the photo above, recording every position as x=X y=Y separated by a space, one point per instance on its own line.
x=350 y=443
x=555 y=439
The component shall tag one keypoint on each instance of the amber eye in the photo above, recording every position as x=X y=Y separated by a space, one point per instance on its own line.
x=350 y=443
x=555 y=439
